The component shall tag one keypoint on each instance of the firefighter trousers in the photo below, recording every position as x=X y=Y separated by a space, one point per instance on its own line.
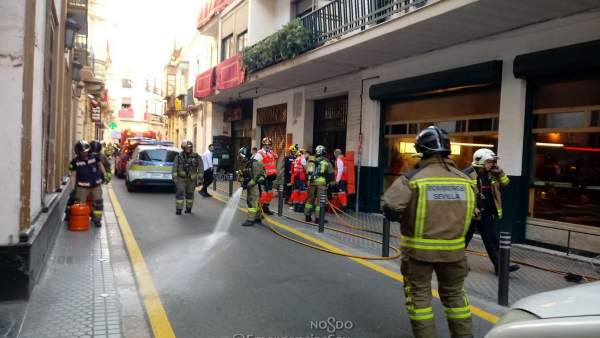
x=252 y=196
x=81 y=195
x=312 y=201
x=417 y=288
x=184 y=195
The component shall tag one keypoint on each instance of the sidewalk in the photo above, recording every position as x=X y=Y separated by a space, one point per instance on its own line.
x=85 y=291
x=541 y=270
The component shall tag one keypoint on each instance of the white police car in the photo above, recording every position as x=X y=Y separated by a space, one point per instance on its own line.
x=151 y=165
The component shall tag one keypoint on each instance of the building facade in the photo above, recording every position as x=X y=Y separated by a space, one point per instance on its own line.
x=41 y=64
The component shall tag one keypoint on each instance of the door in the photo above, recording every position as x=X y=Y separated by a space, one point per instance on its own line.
x=277 y=133
x=330 y=123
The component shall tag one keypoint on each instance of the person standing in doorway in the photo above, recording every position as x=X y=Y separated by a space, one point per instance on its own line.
x=490 y=179
x=207 y=161
x=341 y=179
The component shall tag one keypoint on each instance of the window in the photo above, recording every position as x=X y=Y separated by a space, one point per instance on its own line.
x=50 y=100
x=242 y=40
x=157 y=155
x=565 y=177
x=126 y=83
x=227 y=47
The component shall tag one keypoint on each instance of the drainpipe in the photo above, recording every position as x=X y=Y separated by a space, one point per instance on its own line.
x=360 y=138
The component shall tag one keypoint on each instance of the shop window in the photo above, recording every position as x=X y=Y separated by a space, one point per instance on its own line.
x=595 y=118
x=560 y=120
x=487 y=124
x=453 y=126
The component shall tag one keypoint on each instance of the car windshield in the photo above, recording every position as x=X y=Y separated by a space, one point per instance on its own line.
x=158 y=155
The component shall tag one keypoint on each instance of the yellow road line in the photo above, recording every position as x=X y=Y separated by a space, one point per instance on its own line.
x=490 y=317
x=161 y=327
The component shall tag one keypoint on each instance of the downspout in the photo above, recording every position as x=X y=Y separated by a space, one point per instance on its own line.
x=360 y=139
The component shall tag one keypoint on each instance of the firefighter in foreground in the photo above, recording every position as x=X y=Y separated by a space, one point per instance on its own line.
x=319 y=173
x=434 y=205
x=268 y=158
x=89 y=175
x=96 y=150
x=490 y=179
x=251 y=176
x=187 y=171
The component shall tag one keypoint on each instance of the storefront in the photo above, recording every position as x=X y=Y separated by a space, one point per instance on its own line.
x=563 y=89
x=272 y=123
x=465 y=102
x=330 y=120
x=240 y=116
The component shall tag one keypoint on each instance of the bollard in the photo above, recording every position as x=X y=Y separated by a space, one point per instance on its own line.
x=503 y=266
x=385 y=241
x=322 y=205
x=280 y=201
x=215 y=180
x=230 y=178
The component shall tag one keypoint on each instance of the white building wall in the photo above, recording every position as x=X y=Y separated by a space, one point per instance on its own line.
x=265 y=17
x=565 y=31
x=12 y=20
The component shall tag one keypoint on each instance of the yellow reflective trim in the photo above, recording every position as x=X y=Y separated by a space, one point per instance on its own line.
x=459 y=316
x=470 y=209
x=443 y=179
x=504 y=180
x=138 y=167
x=458 y=309
x=421 y=210
x=433 y=241
x=423 y=310
x=433 y=248
x=421 y=317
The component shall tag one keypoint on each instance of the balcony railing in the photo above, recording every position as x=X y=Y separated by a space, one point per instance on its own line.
x=345 y=16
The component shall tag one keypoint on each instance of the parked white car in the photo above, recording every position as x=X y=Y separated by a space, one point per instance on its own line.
x=572 y=312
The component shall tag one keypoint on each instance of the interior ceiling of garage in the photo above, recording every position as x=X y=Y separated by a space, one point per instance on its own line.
x=386 y=43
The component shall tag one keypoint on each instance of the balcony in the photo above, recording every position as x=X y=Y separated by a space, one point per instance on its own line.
x=78 y=9
x=80 y=49
x=346 y=36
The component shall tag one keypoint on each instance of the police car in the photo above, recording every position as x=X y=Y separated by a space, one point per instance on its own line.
x=151 y=165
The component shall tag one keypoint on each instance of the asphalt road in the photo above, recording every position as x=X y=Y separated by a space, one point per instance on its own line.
x=253 y=283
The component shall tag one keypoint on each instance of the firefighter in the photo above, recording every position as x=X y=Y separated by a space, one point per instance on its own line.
x=434 y=205
x=319 y=172
x=251 y=177
x=187 y=171
x=298 y=179
x=341 y=179
x=288 y=163
x=89 y=175
x=268 y=159
x=490 y=179
x=96 y=150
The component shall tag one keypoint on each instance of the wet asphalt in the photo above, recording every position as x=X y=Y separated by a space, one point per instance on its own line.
x=252 y=283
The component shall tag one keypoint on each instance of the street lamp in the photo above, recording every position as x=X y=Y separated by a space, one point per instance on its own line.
x=76 y=75
x=71 y=27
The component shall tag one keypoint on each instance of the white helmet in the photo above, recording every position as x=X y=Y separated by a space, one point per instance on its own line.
x=482 y=155
x=320 y=150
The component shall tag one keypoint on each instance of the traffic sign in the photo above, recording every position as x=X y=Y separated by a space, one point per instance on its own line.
x=112 y=125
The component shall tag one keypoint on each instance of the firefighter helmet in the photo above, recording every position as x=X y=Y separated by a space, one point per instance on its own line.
x=267 y=141
x=293 y=149
x=243 y=152
x=187 y=144
x=482 y=155
x=433 y=140
x=320 y=150
x=81 y=146
x=95 y=146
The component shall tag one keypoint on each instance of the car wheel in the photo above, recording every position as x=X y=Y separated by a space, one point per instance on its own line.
x=130 y=187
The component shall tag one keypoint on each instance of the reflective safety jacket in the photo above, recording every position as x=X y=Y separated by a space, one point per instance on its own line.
x=269 y=162
x=436 y=203
x=188 y=166
x=319 y=171
x=298 y=169
x=87 y=172
x=497 y=182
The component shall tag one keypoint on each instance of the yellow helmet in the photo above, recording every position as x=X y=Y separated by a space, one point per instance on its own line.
x=267 y=141
x=293 y=149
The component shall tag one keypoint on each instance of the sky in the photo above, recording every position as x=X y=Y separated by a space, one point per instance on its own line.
x=142 y=33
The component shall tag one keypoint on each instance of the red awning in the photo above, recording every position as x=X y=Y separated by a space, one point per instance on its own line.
x=209 y=9
x=126 y=113
x=230 y=73
x=205 y=84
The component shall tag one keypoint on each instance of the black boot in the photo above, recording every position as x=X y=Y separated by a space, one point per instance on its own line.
x=248 y=223
x=188 y=210
x=177 y=211
x=308 y=219
x=97 y=222
x=266 y=210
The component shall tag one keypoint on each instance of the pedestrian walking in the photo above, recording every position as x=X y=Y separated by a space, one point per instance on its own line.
x=319 y=173
x=251 y=176
x=207 y=161
x=434 y=205
x=187 y=171
x=490 y=178
x=268 y=159
x=89 y=175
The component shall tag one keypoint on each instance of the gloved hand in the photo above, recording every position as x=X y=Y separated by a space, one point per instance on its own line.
x=106 y=178
x=476 y=213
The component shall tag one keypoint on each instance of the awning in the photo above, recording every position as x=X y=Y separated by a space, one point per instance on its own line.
x=209 y=9
x=205 y=84
x=230 y=73
x=579 y=58
x=126 y=113
x=487 y=73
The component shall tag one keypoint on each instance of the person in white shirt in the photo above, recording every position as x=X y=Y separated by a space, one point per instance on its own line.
x=341 y=178
x=207 y=160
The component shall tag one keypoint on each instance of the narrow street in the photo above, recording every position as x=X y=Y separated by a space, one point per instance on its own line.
x=252 y=282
